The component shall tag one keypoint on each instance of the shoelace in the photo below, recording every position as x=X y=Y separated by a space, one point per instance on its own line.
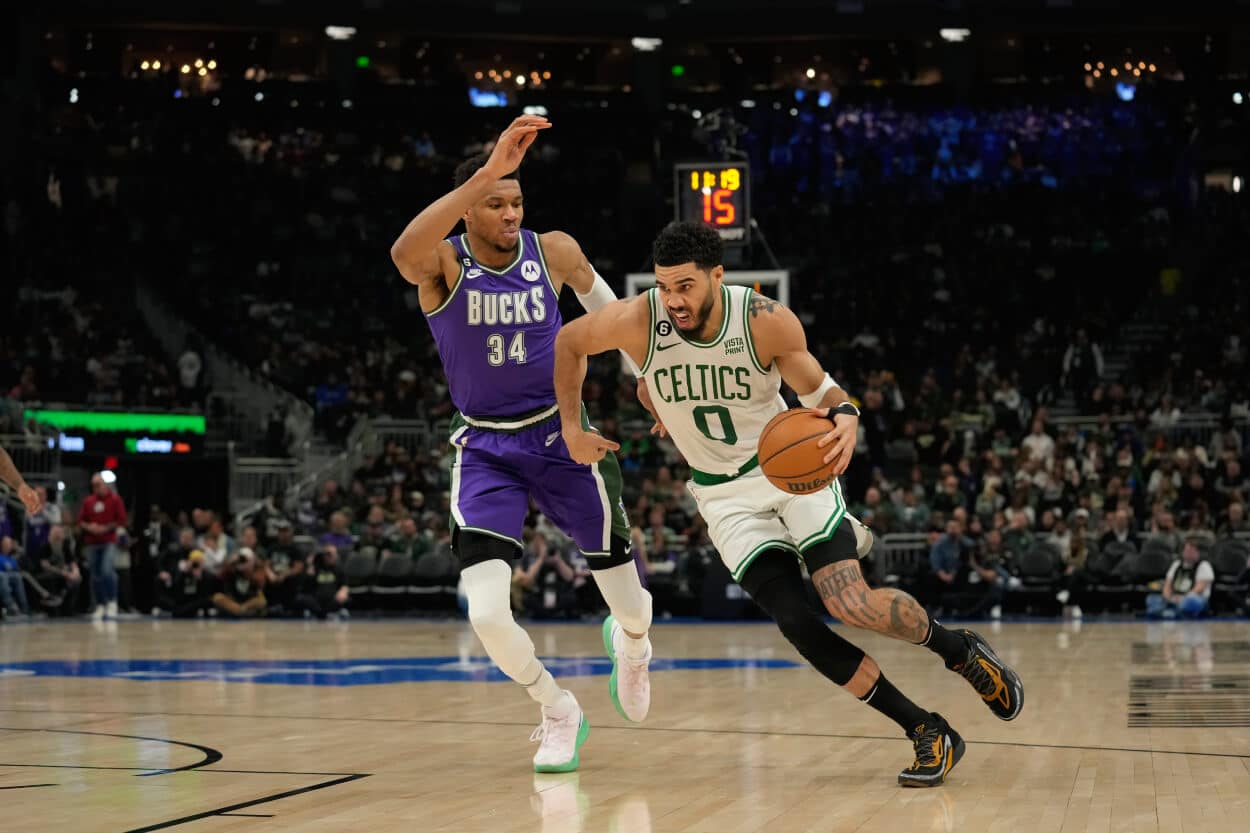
x=539 y=733
x=924 y=745
x=975 y=673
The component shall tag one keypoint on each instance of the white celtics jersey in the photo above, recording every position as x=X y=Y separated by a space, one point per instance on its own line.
x=714 y=398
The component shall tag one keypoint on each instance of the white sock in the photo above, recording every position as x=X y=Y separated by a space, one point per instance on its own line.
x=487 y=586
x=555 y=700
x=630 y=603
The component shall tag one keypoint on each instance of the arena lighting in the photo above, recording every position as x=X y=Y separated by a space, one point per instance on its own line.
x=340 y=32
x=646 y=44
x=73 y=96
x=955 y=35
x=824 y=99
x=199 y=62
x=1125 y=92
x=156 y=65
x=696 y=114
x=144 y=65
x=1236 y=185
x=185 y=69
x=212 y=64
x=202 y=72
x=747 y=103
x=520 y=80
x=1237 y=98
x=260 y=96
x=534 y=110
x=546 y=76
x=811 y=73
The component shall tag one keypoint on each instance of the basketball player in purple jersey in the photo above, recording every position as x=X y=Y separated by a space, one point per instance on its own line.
x=490 y=297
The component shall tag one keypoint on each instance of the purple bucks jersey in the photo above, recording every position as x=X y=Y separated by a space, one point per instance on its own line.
x=496 y=333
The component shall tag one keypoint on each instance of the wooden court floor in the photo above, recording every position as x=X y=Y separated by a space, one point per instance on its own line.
x=397 y=726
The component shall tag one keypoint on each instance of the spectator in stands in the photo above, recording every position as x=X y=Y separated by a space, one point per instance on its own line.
x=1018 y=538
x=1235 y=520
x=1232 y=485
x=216 y=544
x=285 y=568
x=1163 y=528
x=949 y=497
x=1082 y=366
x=1226 y=443
x=190 y=365
x=338 y=534
x=408 y=541
x=58 y=569
x=39 y=525
x=249 y=540
x=101 y=517
x=911 y=511
x=324 y=590
x=241 y=586
x=950 y=563
x=185 y=588
x=1038 y=445
x=12 y=587
x=1187 y=586
x=544 y=581
x=271 y=514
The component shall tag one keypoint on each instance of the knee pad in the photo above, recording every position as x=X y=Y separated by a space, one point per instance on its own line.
x=776 y=585
x=619 y=553
x=474 y=548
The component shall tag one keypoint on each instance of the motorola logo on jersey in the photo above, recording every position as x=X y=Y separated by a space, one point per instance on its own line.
x=664 y=328
x=491 y=308
x=530 y=271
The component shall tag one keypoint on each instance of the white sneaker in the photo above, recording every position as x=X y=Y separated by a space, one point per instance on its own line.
x=560 y=739
x=1076 y=612
x=98 y=613
x=996 y=612
x=111 y=610
x=630 y=683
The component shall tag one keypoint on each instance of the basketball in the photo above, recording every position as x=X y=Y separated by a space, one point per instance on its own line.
x=789 y=454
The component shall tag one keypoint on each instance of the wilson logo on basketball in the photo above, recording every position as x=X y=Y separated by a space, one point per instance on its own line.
x=809 y=486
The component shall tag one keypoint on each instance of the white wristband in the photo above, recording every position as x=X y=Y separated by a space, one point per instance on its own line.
x=600 y=294
x=812 y=400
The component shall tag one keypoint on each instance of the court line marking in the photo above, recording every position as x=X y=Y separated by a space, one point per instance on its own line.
x=164 y=825
x=639 y=728
x=211 y=756
x=28 y=786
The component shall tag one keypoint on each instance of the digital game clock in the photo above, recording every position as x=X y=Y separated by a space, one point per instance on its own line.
x=716 y=194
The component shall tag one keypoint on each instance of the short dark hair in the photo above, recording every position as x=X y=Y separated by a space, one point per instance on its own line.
x=686 y=242
x=466 y=169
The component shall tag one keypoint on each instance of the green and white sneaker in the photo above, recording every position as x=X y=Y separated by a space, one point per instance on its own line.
x=559 y=739
x=630 y=683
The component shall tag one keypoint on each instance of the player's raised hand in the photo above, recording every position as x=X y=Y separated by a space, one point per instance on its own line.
x=31 y=498
x=587 y=447
x=644 y=396
x=843 y=437
x=512 y=144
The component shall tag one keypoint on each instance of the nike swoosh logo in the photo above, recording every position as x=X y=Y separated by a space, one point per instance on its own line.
x=552 y=437
x=660 y=347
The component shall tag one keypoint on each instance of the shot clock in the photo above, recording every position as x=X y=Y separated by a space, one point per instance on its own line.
x=716 y=194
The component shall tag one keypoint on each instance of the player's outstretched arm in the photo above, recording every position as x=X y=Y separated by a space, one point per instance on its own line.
x=416 y=251
x=621 y=325
x=779 y=337
x=11 y=476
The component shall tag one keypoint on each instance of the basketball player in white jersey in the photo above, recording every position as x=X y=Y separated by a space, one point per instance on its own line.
x=713 y=358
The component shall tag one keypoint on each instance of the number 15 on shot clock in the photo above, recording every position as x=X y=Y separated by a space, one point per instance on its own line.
x=716 y=194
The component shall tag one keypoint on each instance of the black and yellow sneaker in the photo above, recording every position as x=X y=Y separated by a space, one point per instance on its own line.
x=938 y=749
x=993 y=679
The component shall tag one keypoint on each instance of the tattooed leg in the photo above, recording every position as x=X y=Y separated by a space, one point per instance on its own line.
x=847 y=596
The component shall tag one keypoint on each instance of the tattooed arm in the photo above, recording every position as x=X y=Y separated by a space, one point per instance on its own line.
x=848 y=597
x=778 y=336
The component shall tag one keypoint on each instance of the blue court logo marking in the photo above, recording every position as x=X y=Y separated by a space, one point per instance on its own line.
x=346 y=672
